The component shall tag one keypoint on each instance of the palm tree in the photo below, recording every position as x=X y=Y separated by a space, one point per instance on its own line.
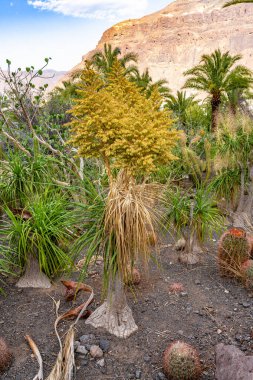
x=216 y=75
x=233 y=2
x=145 y=82
x=103 y=61
x=179 y=104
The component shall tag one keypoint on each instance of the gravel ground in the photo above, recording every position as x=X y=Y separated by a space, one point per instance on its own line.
x=210 y=309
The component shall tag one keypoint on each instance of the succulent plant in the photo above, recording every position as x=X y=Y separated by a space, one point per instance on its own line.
x=5 y=355
x=181 y=362
x=234 y=249
x=247 y=272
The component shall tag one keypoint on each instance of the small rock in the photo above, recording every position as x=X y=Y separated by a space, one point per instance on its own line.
x=96 y=351
x=104 y=344
x=231 y=363
x=219 y=331
x=84 y=362
x=76 y=344
x=161 y=376
x=180 y=332
x=183 y=294
x=197 y=282
x=81 y=350
x=226 y=291
x=147 y=358
x=246 y=304
x=138 y=374
x=88 y=338
x=101 y=362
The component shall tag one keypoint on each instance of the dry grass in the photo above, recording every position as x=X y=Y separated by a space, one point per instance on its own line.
x=130 y=221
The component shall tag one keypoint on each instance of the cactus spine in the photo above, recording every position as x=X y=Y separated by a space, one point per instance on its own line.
x=5 y=355
x=181 y=362
x=247 y=273
x=234 y=249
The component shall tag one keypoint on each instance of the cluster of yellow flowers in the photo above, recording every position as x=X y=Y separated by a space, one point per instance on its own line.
x=115 y=122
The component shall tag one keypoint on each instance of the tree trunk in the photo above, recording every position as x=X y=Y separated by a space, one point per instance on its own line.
x=215 y=104
x=114 y=314
x=191 y=254
x=33 y=277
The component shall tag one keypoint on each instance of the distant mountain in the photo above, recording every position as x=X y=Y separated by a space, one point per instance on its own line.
x=172 y=40
x=51 y=77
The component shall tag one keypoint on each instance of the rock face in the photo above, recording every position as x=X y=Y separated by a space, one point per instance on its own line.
x=231 y=363
x=172 y=40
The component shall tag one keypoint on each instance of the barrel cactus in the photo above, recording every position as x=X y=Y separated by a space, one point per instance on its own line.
x=234 y=249
x=5 y=355
x=247 y=272
x=181 y=362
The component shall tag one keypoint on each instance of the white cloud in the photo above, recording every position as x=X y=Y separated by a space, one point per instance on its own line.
x=98 y=9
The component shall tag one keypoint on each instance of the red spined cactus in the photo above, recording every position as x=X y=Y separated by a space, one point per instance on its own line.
x=181 y=362
x=247 y=273
x=5 y=356
x=234 y=249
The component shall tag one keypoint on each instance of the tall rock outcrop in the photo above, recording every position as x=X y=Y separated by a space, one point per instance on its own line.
x=172 y=40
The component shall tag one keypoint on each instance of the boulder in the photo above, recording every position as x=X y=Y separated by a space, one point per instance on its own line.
x=232 y=364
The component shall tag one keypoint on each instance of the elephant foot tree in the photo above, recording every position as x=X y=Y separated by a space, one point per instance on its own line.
x=194 y=217
x=129 y=223
x=33 y=277
x=38 y=236
x=234 y=155
x=115 y=122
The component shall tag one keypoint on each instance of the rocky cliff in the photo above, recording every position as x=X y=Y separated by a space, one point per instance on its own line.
x=172 y=40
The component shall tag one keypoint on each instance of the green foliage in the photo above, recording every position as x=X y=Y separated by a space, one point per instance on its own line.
x=7 y=266
x=217 y=75
x=179 y=105
x=146 y=85
x=197 y=211
x=104 y=61
x=21 y=177
x=234 y=141
x=45 y=232
x=226 y=184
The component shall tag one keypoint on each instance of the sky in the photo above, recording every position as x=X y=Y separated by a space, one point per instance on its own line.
x=31 y=30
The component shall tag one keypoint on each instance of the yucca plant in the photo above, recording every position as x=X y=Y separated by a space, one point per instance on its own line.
x=234 y=140
x=194 y=217
x=226 y=185
x=41 y=235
